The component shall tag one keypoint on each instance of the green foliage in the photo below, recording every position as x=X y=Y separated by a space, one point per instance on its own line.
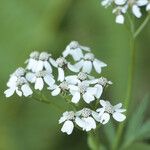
x=136 y=129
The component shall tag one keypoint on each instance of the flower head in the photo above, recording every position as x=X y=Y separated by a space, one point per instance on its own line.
x=75 y=50
x=89 y=61
x=67 y=118
x=39 y=61
x=85 y=119
x=17 y=83
x=39 y=78
x=61 y=63
x=107 y=110
x=122 y=6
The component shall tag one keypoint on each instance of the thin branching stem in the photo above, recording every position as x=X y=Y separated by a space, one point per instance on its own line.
x=130 y=84
x=141 y=27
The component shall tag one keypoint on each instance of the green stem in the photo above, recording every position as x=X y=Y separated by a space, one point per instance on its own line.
x=43 y=99
x=138 y=31
x=129 y=91
x=93 y=140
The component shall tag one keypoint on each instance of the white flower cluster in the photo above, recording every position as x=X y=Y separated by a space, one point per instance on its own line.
x=73 y=78
x=122 y=6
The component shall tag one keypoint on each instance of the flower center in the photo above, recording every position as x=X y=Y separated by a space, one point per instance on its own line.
x=82 y=88
x=61 y=61
x=44 y=56
x=70 y=115
x=109 y=108
x=89 y=56
x=86 y=112
x=64 y=85
x=74 y=45
x=21 y=81
x=41 y=74
x=34 y=55
x=82 y=76
x=20 y=72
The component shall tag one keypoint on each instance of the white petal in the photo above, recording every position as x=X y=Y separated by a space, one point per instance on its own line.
x=119 y=117
x=117 y=106
x=76 y=54
x=39 y=84
x=91 y=124
x=73 y=87
x=26 y=90
x=76 y=97
x=31 y=77
x=98 y=65
x=103 y=103
x=88 y=97
x=148 y=7
x=12 y=81
x=62 y=119
x=104 y=118
x=71 y=79
x=61 y=74
x=120 y=110
x=49 y=80
x=67 y=127
x=99 y=91
x=120 y=2
x=47 y=66
x=40 y=65
x=9 y=92
x=136 y=11
x=66 y=52
x=85 y=48
x=100 y=111
x=18 y=92
x=142 y=2
x=73 y=68
x=96 y=116
x=79 y=64
x=92 y=90
x=80 y=122
x=53 y=62
x=120 y=19
x=87 y=67
x=56 y=91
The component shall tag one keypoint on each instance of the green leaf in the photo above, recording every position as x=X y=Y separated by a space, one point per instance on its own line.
x=139 y=146
x=135 y=129
x=110 y=132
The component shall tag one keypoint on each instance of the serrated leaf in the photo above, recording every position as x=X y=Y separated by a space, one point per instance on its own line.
x=135 y=125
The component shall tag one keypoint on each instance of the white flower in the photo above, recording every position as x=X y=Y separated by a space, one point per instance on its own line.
x=39 y=78
x=101 y=81
x=18 y=85
x=88 y=62
x=122 y=6
x=85 y=119
x=107 y=110
x=57 y=89
x=83 y=90
x=20 y=72
x=61 y=63
x=32 y=61
x=148 y=7
x=39 y=61
x=43 y=62
x=75 y=50
x=74 y=79
x=67 y=118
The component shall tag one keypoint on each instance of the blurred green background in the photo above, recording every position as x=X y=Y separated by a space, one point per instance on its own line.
x=49 y=25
